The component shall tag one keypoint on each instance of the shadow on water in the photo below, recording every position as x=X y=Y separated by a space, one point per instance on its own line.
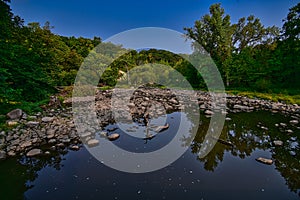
x=227 y=172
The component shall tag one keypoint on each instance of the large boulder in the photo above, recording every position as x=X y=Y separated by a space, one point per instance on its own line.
x=15 y=114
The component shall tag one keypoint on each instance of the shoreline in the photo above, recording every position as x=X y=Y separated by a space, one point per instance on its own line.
x=54 y=127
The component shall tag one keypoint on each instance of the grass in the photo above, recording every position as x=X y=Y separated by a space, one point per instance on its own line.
x=284 y=97
x=27 y=107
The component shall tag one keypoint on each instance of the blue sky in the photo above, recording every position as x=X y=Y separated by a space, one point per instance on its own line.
x=90 y=18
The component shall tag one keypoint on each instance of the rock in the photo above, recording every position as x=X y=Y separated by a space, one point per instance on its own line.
x=12 y=123
x=52 y=141
x=11 y=153
x=47 y=153
x=32 y=123
x=113 y=136
x=2 y=155
x=292 y=153
x=93 y=142
x=74 y=148
x=47 y=119
x=227 y=118
x=278 y=142
x=283 y=124
x=208 y=112
x=264 y=160
x=112 y=129
x=85 y=135
x=34 y=152
x=294 y=122
x=50 y=136
x=26 y=144
x=239 y=107
x=15 y=114
x=289 y=131
x=264 y=128
x=61 y=145
x=103 y=134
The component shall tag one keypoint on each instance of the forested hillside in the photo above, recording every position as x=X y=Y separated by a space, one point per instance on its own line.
x=34 y=60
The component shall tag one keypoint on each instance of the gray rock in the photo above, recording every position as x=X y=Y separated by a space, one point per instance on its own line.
x=26 y=144
x=2 y=155
x=85 y=135
x=74 y=148
x=294 y=122
x=278 y=142
x=15 y=114
x=227 y=118
x=283 y=124
x=32 y=123
x=47 y=119
x=11 y=153
x=34 y=152
x=52 y=141
x=113 y=136
x=289 y=131
x=93 y=142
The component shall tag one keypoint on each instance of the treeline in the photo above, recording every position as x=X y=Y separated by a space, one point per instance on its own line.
x=33 y=60
x=249 y=55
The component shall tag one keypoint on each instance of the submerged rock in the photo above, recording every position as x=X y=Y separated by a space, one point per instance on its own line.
x=34 y=152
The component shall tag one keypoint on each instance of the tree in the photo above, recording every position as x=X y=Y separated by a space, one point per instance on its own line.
x=291 y=27
x=225 y=41
x=213 y=32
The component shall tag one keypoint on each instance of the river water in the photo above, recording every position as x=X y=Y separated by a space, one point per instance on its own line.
x=227 y=172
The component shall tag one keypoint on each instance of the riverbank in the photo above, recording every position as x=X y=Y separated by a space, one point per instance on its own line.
x=54 y=128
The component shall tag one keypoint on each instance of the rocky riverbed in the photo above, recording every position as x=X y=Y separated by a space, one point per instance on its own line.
x=54 y=128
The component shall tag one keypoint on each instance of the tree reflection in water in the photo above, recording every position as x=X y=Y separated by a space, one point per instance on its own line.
x=246 y=137
x=19 y=174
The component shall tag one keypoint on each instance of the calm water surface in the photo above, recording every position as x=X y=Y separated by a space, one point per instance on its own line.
x=226 y=173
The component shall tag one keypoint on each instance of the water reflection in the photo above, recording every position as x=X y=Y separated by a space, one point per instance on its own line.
x=71 y=174
x=246 y=137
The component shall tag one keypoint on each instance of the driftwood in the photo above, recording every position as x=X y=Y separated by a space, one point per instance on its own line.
x=264 y=160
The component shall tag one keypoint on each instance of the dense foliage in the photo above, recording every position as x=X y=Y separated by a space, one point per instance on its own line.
x=249 y=55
